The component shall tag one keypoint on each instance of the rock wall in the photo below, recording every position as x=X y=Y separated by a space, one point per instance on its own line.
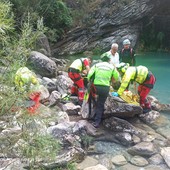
x=110 y=22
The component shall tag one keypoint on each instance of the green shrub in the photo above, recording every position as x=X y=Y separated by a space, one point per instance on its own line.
x=39 y=149
x=14 y=51
x=56 y=16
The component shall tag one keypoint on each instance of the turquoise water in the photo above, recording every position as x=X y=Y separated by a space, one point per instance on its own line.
x=159 y=64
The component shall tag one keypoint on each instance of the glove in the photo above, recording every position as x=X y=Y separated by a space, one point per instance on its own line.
x=115 y=94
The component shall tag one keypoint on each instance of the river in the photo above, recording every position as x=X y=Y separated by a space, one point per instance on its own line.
x=159 y=64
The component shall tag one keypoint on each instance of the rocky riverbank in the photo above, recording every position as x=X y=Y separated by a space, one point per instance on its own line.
x=127 y=139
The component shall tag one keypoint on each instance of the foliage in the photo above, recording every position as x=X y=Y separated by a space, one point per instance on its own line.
x=81 y=10
x=86 y=140
x=6 y=22
x=150 y=39
x=97 y=50
x=40 y=148
x=71 y=166
x=35 y=145
x=14 y=51
x=55 y=14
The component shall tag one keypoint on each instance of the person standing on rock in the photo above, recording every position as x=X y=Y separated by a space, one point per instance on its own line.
x=78 y=67
x=141 y=75
x=102 y=75
x=127 y=54
x=113 y=54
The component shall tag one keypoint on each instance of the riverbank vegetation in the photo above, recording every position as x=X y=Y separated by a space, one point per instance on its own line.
x=15 y=47
x=55 y=14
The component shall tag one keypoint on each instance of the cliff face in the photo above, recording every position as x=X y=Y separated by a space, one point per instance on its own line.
x=110 y=22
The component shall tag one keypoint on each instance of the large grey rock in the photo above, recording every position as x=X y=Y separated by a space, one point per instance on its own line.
x=97 y=167
x=44 y=92
x=150 y=117
x=139 y=161
x=143 y=149
x=42 y=65
x=54 y=98
x=63 y=83
x=120 y=125
x=156 y=159
x=88 y=162
x=49 y=84
x=119 y=160
x=65 y=158
x=71 y=109
x=110 y=22
x=43 y=45
x=115 y=106
x=124 y=138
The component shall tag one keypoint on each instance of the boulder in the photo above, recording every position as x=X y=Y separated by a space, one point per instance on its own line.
x=42 y=65
x=115 y=106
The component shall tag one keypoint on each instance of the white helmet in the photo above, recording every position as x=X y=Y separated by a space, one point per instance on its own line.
x=126 y=42
x=122 y=67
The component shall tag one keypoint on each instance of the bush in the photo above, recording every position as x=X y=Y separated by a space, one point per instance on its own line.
x=39 y=149
x=14 y=51
x=55 y=14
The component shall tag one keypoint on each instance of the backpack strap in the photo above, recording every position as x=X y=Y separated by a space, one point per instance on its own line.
x=136 y=73
x=131 y=51
x=81 y=60
x=83 y=67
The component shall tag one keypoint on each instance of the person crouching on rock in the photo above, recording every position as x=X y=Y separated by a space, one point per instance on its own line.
x=75 y=70
x=142 y=76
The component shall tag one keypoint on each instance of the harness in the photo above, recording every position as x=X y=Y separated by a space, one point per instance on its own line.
x=73 y=70
x=147 y=78
x=131 y=51
x=83 y=67
x=136 y=73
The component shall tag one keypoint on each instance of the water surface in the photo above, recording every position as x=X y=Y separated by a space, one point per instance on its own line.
x=159 y=64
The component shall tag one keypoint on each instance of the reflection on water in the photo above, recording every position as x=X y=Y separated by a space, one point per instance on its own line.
x=159 y=64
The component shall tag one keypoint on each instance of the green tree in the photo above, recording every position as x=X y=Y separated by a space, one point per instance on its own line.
x=14 y=51
x=55 y=14
x=6 y=23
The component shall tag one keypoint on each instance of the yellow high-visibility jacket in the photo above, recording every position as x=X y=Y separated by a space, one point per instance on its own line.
x=137 y=74
x=25 y=78
x=103 y=72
